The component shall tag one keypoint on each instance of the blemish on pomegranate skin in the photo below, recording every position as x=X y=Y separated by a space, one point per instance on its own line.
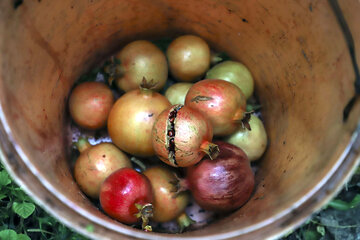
x=230 y=11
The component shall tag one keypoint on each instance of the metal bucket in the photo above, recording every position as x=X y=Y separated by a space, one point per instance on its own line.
x=303 y=66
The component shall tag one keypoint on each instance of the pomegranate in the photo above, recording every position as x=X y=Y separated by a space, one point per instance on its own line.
x=126 y=195
x=181 y=136
x=135 y=61
x=176 y=93
x=253 y=142
x=189 y=58
x=223 y=184
x=96 y=163
x=234 y=72
x=132 y=118
x=220 y=101
x=167 y=204
x=90 y=104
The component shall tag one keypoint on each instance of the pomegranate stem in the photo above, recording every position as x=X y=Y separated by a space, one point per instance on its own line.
x=184 y=221
x=145 y=212
x=211 y=149
x=82 y=144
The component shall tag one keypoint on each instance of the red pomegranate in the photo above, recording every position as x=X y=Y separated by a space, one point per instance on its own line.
x=126 y=195
x=222 y=102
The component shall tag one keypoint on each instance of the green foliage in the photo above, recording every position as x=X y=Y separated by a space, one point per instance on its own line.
x=343 y=205
x=8 y=234
x=24 y=209
x=4 y=179
x=22 y=219
x=310 y=235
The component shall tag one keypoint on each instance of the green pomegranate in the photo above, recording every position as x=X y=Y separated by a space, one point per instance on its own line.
x=253 y=142
x=176 y=93
x=234 y=72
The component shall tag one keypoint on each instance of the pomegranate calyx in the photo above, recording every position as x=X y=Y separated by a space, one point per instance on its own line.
x=184 y=221
x=114 y=70
x=179 y=185
x=211 y=149
x=246 y=119
x=215 y=58
x=82 y=144
x=147 y=85
x=145 y=212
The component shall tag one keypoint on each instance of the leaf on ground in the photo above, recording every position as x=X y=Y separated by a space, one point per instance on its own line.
x=24 y=209
x=4 y=178
x=321 y=230
x=23 y=237
x=2 y=196
x=8 y=234
x=310 y=235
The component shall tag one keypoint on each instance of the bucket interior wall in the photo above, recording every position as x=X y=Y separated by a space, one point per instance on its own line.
x=295 y=49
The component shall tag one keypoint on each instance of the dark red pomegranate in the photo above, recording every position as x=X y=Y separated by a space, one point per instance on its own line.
x=181 y=136
x=223 y=184
x=222 y=102
x=126 y=195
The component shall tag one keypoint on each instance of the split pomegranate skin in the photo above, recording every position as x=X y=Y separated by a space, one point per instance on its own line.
x=182 y=136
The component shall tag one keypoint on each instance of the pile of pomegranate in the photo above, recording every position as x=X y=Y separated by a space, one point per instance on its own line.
x=163 y=152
